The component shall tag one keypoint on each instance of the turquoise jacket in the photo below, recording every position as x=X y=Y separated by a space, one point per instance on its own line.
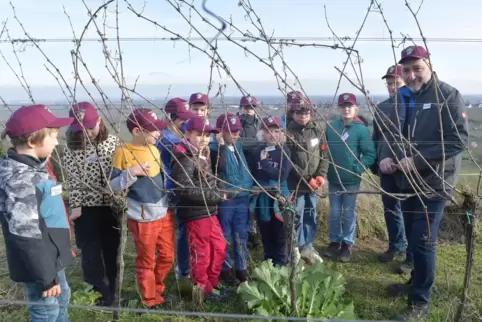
x=343 y=138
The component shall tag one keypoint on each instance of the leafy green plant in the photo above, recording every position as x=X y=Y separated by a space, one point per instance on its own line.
x=319 y=292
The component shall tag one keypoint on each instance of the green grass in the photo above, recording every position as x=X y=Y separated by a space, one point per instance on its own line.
x=367 y=280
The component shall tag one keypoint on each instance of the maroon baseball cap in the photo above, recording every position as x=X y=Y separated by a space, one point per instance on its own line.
x=228 y=122
x=176 y=106
x=201 y=124
x=413 y=52
x=293 y=95
x=394 y=71
x=248 y=101
x=271 y=122
x=31 y=118
x=299 y=103
x=85 y=116
x=347 y=98
x=199 y=98
x=145 y=119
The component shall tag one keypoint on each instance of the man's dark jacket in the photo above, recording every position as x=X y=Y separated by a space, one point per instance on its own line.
x=437 y=128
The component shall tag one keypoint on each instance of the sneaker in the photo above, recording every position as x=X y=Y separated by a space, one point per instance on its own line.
x=405 y=267
x=396 y=290
x=242 y=275
x=216 y=294
x=227 y=276
x=414 y=311
x=182 y=275
x=307 y=254
x=388 y=256
x=333 y=250
x=345 y=253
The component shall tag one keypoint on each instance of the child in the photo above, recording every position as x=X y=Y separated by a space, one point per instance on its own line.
x=137 y=169
x=345 y=136
x=309 y=155
x=250 y=125
x=88 y=159
x=199 y=197
x=35 y=228
x=230 y=165
x=199 y=104
x=270 y=167
x=178 y=113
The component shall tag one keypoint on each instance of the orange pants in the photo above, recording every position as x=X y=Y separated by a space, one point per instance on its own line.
x=151 y=271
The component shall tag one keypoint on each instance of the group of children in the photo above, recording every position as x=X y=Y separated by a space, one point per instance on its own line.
x=180 y=171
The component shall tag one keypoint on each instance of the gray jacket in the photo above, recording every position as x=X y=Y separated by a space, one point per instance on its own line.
x=428 y=135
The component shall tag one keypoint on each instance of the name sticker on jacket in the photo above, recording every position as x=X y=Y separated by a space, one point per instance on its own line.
x=270 y=148
x=427 y=106
x=92 y=158
x=345 y=136
x=314 y=142
x=56 y=190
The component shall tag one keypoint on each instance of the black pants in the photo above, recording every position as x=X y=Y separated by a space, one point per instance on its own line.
x=97 y=235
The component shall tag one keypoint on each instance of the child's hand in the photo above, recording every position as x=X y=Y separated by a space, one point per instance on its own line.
x=52 y=292
x=264 y=154
x=139 y=169
x=320 y=180
x=75 y=213
x=313 y=184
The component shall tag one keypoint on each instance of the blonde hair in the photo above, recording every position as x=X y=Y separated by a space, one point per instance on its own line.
x=261 y=133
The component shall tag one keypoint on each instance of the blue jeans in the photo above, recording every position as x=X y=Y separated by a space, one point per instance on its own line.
x=305 y=221
x=233 y=217
x=423 y=249
x=393 y=216
x=182 y=249
x=48 y=309
x=342 y=206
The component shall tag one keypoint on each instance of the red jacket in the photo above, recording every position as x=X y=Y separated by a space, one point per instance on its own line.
x=51 y=172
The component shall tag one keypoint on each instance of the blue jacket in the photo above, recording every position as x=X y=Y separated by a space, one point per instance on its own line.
x=230 y=165
x=165 y=144
x=34 y=223
x=272 y=171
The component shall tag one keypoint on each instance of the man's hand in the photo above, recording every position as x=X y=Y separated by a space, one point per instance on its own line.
x=407 y=164
x=387 y=166
x=52 y=292
x=75 y=213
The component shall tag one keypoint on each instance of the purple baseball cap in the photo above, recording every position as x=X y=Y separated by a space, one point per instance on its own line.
x=293 y=95
x=394 y=71
x=347 y=98
x=85 y=116
x=199 y=98
x=228 y=122
x=271 y=122
x=299 y=103
x=200 y=124
x=413 y=52
x=31 y=118
x=145 y=119
x=248 y=101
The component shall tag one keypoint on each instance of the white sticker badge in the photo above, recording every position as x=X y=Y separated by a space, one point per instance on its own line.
x=56 y=190
x=427 y=106
x=345 y=136
x=270 y=148
x=314 y=142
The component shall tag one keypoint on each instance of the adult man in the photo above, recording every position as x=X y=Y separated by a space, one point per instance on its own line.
x=430 y=164
x=391 y=206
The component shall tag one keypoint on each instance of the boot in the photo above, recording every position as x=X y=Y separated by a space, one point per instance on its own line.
x=242 y=275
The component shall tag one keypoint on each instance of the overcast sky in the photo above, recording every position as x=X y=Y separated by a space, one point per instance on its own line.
x=165 y=63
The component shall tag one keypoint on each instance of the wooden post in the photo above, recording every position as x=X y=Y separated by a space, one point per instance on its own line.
x=470 y=207
x=122 y=214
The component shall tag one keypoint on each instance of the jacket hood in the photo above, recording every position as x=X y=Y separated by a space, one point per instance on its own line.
x=14 y=163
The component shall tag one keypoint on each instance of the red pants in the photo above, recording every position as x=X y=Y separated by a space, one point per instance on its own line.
x=151 y=271
x=207 y=250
